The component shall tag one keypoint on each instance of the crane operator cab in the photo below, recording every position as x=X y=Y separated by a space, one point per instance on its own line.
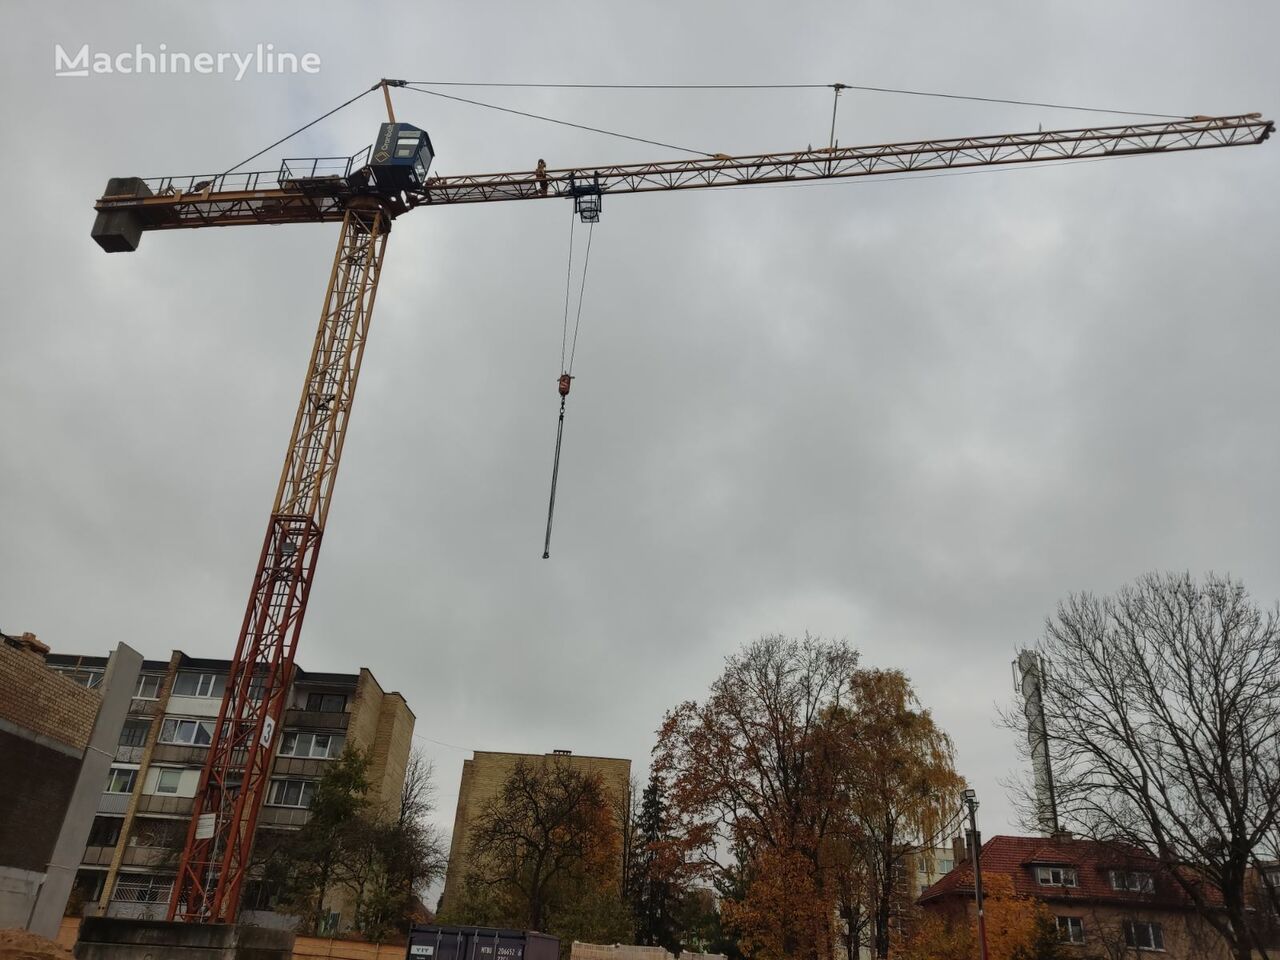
x=401 y=157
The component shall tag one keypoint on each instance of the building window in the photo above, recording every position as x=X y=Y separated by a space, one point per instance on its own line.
x=326 y=702
x=1137 y=881
x=121 y=780
x=318 y=745
x=148 y=687
x=83 y=676
x=1143 y=935
x=168 y=780
x=257 y=686
x=195 y=733
x=291 y=793
x=105 y=831
x=1071 y=929
x=199 y=684
x=1056 y=876
x=134 y=733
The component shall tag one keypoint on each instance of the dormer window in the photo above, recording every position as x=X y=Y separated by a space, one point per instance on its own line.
x=1056 y=876
x=1132 y=881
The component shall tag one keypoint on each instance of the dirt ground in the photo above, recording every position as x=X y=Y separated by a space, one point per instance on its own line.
x=20 y=945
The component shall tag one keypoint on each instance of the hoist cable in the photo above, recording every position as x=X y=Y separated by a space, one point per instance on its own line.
x=581 y=290
x=866 y=88
x=566 y=372
x=563 y=123
x=568 y=277
x=303 y=127
x=555 y=474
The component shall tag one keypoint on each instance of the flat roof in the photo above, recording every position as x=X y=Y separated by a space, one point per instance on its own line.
x=186 y=662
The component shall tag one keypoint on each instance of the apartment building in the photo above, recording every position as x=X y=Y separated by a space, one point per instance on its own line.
x=130 y=862
x=1108 y=899
x=483 y=777
x=926 y=866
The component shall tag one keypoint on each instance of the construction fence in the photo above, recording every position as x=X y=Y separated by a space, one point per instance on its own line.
x=622 y=951
x=304 y=948
x=319 y=948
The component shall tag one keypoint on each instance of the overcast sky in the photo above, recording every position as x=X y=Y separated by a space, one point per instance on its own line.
x=909 y=414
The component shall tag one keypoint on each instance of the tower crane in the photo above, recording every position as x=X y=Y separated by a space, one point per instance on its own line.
x=365 y=194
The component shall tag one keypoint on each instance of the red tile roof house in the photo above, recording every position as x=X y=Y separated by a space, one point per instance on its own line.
x=1110 y=900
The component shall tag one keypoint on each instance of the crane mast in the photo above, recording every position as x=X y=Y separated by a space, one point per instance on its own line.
x=365 y=193
x=237 y=772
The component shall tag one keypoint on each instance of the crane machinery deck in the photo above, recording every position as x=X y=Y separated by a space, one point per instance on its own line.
x=365 y=194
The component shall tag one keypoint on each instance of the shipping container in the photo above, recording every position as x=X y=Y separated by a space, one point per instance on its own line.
x=435 y=942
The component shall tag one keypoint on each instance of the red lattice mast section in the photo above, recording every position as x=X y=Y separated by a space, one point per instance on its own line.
x=237 y=771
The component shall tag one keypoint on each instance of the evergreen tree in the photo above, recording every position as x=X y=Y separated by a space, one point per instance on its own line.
x=653 y=893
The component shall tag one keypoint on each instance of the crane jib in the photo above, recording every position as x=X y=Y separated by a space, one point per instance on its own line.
x=131 y=206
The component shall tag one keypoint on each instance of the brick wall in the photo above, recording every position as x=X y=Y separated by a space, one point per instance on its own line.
x=483 y=777
x=389 y=757
x=366 y=705
x=35 y=698
x=34 y=800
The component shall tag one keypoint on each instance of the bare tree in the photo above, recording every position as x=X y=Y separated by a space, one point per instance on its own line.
x=551 y=824
x=1162 y=706
x=418 y=794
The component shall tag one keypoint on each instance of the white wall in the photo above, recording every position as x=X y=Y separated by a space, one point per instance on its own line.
x=193 y=706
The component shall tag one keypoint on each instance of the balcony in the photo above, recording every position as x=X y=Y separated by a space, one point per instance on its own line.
x=179 y=753
x=144 y=708
x=299 y=767
x=154 y=803
x=283 y=816
x=114 y=803
x=140 y=856
x=98 y=856
x=316 y=720
x=129 y=754
x=141 y=898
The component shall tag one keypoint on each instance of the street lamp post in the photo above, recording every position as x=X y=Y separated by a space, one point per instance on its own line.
x=975 y=841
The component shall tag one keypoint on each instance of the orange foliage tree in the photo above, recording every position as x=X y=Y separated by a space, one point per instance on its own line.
x=799 y=787
x=754 y=790
x=902 y=791
x=1018 y=928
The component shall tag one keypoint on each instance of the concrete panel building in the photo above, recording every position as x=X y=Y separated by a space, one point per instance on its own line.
x=483 y=777
x=130 y=861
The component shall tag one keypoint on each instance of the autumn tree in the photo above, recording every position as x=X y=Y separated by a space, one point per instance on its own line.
x=754 y=788
x=544 y=855
x=901 y=788
x=1162 y=708
x=1018 y=928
